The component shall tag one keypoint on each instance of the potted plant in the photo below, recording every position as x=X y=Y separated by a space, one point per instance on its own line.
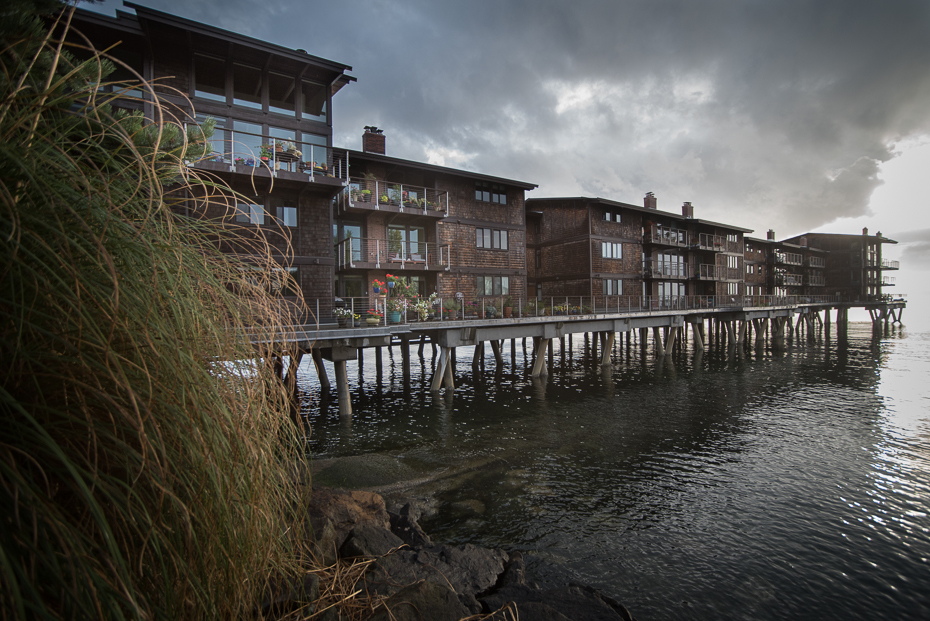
x=490 y=311
x=378 y=286
x=374 y=317
x=343 y=316
x=366 y=196
x=384 y=199
x=508 y=307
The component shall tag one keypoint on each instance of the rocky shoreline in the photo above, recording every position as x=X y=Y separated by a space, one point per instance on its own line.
x=409 y=577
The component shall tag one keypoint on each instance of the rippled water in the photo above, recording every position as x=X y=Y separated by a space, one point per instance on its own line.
x=756 y=486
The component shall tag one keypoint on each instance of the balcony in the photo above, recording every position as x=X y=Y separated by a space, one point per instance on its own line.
x=815 y=281
x=888 y=264
x=888 y=281
x=788 y=258
x=816 y=262
x=364 y=253
x=666 y=271
x=789 y=280
x=665 y=236
x=710 y=272
x=706 y=241
x=377 y=195
x=244 y=152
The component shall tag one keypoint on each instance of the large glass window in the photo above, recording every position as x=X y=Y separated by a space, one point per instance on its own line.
x=247 y=140
x=209 y=78
x=490 y=193
x=314 y=96
x=286 y=282
x=493 y=285
x=613 y=286
x=218 y=144
x=351 y=232
x=611 y=250
x=247 y=86
x=281 y=93
x=406 y=243
x=491 y=238
x=314 y=148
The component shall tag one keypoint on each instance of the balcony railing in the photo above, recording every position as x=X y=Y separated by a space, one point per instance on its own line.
x=376 y=194
x=489 y=309
x=666 y=236
x=818 y=262
x=706 y=241
x=788 y=258
x=888 y=264
x=671 y=271
x=396 y=254
x=816 y=281
x=888 y=281
x=710 y=272
x=789 y=280
x=243 y=151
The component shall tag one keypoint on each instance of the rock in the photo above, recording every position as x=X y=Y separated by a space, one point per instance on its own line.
x=404 y=525
x=369 y=539
x=514 y=570
x=529 y=610
x=573 y=602
x=333 y=513
x=468 y=568
x=422 y=600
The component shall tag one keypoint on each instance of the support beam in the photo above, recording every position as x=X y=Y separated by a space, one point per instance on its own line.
x=608 y=345
x=539 y=362
x=670 y=339
x=496 y=348
x=342 y=387
x=657 y=339
x=317 y=357
x=697 y=338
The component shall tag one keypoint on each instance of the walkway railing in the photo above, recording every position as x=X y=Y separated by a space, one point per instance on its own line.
x=392 y=311
x=376 y=194
x=395 y=254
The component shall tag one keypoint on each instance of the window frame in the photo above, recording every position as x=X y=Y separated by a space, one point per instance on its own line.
x=610 y=249
x=492 y=239
x=494 y=193
x=498 y=285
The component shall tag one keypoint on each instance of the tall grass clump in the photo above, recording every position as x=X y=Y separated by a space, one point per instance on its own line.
x=147 y=458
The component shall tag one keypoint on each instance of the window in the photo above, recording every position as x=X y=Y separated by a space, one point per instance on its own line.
x=314 y=104
x=606 y=216
x=493 y=285
x=287 y=216
x=611 y=250
x=732 y=288
x=209 y=78
x=611 y=216
x=750 y=268
x=250 y=214
x=406 y=243
x=749 y=247
x=733 y=262
x=247 y=86
x=286 y=282
x=490 y=193
x=281 y=93
x=491 y=238
x=613 y=286
x=218 y=146
x=733 y=237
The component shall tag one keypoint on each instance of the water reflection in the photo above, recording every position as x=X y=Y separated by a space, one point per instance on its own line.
x=739 y=482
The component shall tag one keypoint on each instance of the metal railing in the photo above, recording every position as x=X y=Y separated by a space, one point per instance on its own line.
x=391 y=311
x=789 y=280
x=377 y=194
x=245 y=150
x=707 y=241
x=667 y=236
x=816 y=281
x=888 y=264
x=393 y=253
x=815 y=262
x=888 y=281
x=788 y=258
x=710 y=272
x=662 y=269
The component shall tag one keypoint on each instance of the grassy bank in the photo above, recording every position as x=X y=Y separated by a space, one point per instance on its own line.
x=139 y=478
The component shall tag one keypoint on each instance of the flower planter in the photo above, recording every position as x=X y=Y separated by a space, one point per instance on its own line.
x=342 y=321
x=377 y=290
x=508 y=311
x=394 y=316
x=373 y=321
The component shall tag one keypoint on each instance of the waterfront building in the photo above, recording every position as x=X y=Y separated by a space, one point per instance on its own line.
x=441 y=229
x=783 y=268
x=855 y=270
x=596 y=247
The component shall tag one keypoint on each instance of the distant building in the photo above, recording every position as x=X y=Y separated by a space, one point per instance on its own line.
x=855 y=268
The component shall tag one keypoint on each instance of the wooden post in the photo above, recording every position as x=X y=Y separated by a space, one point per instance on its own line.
x=479 y=352
x=696 y=337
x=317 y=357
x=742 y=332
x=539 y=363
x=608 y=345
x=657 y=339
x=670 y=339
x=378 y=362
x=342 y=387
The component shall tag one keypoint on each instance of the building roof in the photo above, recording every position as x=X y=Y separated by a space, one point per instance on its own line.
x=613 y=203
x=881 y=239
x=139 y=24
x=396 y=161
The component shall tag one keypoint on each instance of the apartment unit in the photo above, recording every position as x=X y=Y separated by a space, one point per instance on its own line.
x=854 y=270
x=443 y=230
x=783 y=268
x=597 y=247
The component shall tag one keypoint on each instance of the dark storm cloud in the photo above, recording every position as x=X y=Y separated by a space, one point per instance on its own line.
x=768 y=114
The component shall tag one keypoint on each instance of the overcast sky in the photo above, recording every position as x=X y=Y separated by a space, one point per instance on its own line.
x=766 y=114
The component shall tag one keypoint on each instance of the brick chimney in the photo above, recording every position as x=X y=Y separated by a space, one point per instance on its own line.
x=802 y=242
x=687 y=210
x=865 y=231
x=373 y=140
x=650 y=201
x=770 y=235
